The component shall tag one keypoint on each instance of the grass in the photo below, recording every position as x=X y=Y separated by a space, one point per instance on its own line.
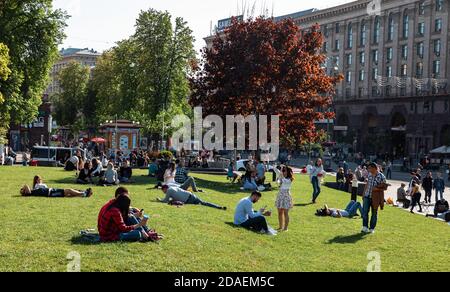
x=38 y=233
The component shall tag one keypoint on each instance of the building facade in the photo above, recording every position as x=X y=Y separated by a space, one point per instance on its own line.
x=394 y=97
x=22 y=137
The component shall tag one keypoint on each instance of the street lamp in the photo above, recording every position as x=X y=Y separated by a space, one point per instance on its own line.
x=49 y=129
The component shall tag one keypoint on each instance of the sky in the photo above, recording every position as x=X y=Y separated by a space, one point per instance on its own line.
x=99 y=24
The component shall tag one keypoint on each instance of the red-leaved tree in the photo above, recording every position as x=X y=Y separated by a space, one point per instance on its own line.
x=265 y=67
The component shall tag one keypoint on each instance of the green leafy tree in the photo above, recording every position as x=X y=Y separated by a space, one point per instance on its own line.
x=4 y=74
x=32 y=30
x=145 y=78
x=71 y=104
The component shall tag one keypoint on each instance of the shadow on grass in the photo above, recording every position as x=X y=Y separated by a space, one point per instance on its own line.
x=347 y=239
x=81 y=240
x=137 y=180
x=304 y=204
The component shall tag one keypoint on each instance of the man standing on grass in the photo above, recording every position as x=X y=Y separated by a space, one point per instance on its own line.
x=375 y=182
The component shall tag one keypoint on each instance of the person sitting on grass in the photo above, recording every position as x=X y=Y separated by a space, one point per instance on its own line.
x=85 y=175
x=249 y=181
x=110 y=177
x=231 y=174
x=153 y=168
x=182 y=178
x=125 y=172
x=97 y=168
x=112 y=217
x=349 y=212
x=75 y=162
x=177 y=195
x=246 y=217
x=41 y=191
x=260 y=172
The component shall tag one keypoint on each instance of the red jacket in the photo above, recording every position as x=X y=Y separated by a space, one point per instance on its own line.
x=111 y=223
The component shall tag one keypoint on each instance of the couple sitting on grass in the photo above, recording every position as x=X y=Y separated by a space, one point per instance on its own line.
x=118 y=221
x=40 y=189
x=176 y=175
x=110 y=177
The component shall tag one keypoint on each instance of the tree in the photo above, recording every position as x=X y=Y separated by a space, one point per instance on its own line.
x=4 y=74
x=145 y=77
x=265 y=67
x=71 y=104
x=32 y=31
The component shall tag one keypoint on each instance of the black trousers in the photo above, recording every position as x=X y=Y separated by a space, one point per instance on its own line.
x=416 y=201
x=258 y=223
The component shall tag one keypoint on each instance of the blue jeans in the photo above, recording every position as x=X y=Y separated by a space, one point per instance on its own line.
x=134 y=235
x=316 y=187
x=353 y=208
x=367 y=206
x=194 y=200
x=439 y=193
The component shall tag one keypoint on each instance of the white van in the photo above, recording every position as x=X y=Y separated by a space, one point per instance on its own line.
x=53 y=156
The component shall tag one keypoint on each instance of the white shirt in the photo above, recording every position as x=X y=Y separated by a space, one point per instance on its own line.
x=40 y=186
x=286 y=184
x=74 y=159
x=169 y=177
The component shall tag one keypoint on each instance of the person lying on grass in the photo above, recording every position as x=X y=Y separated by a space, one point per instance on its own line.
x=26 y=191
x=116 y=224
x=246 y=217
x=349 y=212
x=176 y=194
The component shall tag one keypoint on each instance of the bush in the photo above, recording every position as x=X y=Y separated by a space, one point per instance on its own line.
x=165 y=155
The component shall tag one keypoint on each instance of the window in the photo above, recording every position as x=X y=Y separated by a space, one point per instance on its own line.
x=363 y=35
x=405 y=24
x=421 y=29
x=348 y=77
x=360 y=92
x=390 y=54
x=376 y=32
x=336 y=61
x=420 y=49
x=350 y=36
x=404 y=70
x=405 y=52
x=337 y=28
x=436 y=68
x=439 y=5
x=349 y=58
x=362 y=58
x=402 y=91
x=419 y=70
x=422 y=8
x=437 y=47
x=391 y=29
x=362 y=75
x=374 y=73
x=337 y=45
x=325 y=31
x=375 y=91
x=325 y=47
x=438 y=25
x=388 y=90
x=375 y=56
x=389 y=71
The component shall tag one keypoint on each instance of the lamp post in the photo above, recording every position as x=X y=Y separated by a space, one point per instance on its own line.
x=49 y=130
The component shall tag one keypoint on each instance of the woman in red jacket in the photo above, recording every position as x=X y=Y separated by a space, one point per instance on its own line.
x=111 y=222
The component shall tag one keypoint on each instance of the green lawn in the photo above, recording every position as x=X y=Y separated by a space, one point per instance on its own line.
x=38 y=233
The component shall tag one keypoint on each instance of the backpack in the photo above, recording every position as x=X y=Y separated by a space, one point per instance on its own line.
x=441 y=207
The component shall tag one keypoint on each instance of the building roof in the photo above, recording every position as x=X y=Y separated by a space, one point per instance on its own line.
x=296 y=14
x=78 y=51
x=121 y=124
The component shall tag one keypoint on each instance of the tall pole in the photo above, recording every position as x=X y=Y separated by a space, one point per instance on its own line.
x=49 y=130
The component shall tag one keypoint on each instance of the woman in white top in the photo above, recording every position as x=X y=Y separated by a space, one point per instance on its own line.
x=315 y=174
x=169 y=175
x=38 y=183
x=284 y=200
x=110 y=176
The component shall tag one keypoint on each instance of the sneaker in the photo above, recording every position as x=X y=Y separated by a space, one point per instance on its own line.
x=372 y=231
x=365 y=230
x=88 y=193
x=271 y=232
x=224 y=208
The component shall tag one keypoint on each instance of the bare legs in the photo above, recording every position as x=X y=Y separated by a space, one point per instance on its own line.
x=69 y=193
x=283 y=219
